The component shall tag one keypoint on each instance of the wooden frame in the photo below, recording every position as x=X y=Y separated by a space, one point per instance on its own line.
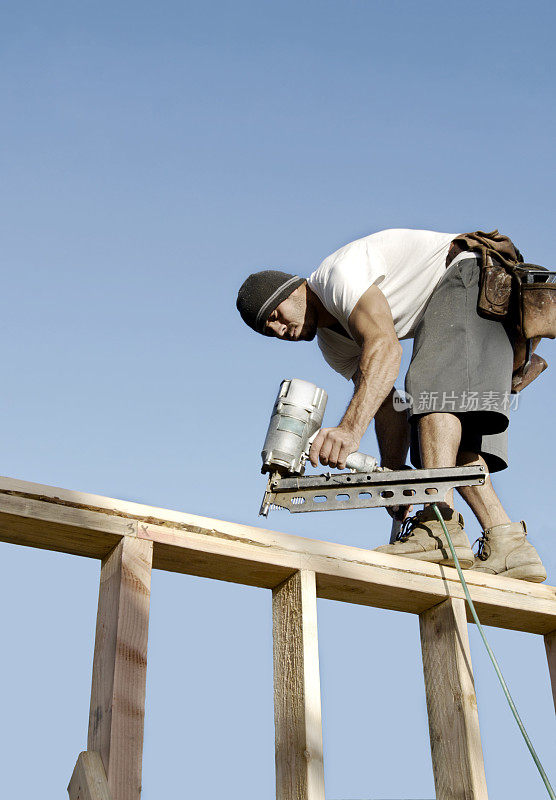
x=297 y=710
x=457 y=757
x=130 y=539
x=88 y=781
x=120 y=665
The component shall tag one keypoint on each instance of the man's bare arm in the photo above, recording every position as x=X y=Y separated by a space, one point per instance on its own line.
x=372 y=327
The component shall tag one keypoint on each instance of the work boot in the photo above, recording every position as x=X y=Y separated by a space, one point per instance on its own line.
x=422 y=537
x=504 y=550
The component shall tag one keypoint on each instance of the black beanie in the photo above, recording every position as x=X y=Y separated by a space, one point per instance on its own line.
x=261 y=292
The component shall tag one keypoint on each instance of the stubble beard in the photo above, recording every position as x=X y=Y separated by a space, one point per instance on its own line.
x=309 y=328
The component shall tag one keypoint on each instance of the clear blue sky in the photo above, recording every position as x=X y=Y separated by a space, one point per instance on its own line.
x=152 y=155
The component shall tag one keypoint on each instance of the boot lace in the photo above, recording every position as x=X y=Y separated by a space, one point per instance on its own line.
x=483 y=550
x=408 y=527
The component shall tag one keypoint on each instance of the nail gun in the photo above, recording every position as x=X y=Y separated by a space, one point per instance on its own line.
x=295 y=421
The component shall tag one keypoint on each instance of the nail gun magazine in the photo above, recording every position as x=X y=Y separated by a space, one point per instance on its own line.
x=295 y=421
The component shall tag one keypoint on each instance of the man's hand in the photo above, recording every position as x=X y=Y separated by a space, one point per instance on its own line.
x=332 y=446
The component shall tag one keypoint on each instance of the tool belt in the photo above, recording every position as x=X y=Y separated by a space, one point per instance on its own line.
x=523 y=296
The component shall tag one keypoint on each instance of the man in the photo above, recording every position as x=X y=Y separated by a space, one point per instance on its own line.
x=365 y=297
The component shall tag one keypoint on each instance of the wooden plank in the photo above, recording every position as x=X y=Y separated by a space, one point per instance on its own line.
x=297 y=706
x=227 y=551
x=120 y=666
x=88 y=781
x=457 y=756
x=550 y=644
x=67 y=529
x=90 y=525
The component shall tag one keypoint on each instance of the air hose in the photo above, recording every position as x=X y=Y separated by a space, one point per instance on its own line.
x=492 y=657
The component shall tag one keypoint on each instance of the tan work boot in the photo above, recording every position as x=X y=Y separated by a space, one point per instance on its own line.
x=504 y=550
x=422 y=537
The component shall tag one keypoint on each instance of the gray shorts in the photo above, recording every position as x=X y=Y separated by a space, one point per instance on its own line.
x=462 y=364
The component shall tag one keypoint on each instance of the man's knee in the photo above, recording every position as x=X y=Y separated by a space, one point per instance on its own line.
x=438 y=421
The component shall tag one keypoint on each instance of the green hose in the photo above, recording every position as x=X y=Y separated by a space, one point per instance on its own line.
x=497 y=669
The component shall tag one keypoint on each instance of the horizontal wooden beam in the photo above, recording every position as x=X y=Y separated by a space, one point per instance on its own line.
x=90 y=525
x=58 y=519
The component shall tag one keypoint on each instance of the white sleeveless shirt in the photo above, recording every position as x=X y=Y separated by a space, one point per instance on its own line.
x=405 y=264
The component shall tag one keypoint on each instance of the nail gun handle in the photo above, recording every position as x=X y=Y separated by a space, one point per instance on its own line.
x=361 y=462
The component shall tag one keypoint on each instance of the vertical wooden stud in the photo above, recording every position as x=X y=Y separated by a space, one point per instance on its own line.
x=297 y=705
x=457 y=756
x=550 y=644
x=120 y=666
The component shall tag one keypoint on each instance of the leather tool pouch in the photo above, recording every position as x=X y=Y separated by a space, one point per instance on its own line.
x=535 y=295
x=521 y=295
x=497 y=256
x=495 y=289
